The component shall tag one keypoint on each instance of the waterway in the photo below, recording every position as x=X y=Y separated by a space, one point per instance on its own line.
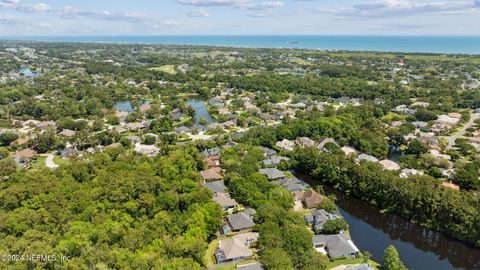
x=201 y=111
x=127 y=106
x=419 y=247
x=28 y=72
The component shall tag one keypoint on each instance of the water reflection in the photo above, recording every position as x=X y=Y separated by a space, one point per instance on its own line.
x=419 y=248
x=200 y=110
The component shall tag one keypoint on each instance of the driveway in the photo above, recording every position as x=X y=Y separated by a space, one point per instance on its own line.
x=451 y=139
x=49 y=162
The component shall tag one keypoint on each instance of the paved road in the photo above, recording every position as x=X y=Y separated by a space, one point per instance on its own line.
x=459 y=134
x=49 y=162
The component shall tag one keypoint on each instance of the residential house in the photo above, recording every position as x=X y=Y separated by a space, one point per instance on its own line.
x=292 y=184
x=211 y=152
x=47 y=126
x=310 y=198
x=406 y=173
x=211 y=175
x=403 y=109
x=240 y=221
x=146 y=150
x=298 y=105
x=216 y=186
x=176 y=116
x=19 y=142
x=69 y=153
x=145 y=107
x=286 y=145
x=420 y=104
x=423 y=126
x=318 y=218
x=432 y=141
x=31 y=123
x=182 y=130
x=67 y=133
x=455 y=115
x=349 y=151
x=135 y=126
x=23 y=157
x=224 y=200
x=390 y=165
x=272 y=173
x=439 y=155
x=366 y=157
x=229 y=124
x=216 y=102
x=305 y=142
x=236 y=248
x=335 y=246
x=273 y=161
x=211 y=161
x=447 y=121
x=268 y=151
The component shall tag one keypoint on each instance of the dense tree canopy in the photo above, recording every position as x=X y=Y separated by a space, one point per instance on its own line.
x=127 y=213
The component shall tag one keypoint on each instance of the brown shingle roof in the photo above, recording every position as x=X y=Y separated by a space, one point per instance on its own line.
x=210 y=174
x=26 y=153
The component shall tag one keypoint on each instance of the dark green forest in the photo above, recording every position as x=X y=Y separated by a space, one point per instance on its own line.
x=110 y=211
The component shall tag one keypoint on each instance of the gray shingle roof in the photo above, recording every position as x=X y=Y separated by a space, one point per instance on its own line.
x=274 y=160
x=216 y=186
x=336 y=245
x=240 y=221
x=272 y=173
x=292 y=184
x=211 y=152
x=367 y=158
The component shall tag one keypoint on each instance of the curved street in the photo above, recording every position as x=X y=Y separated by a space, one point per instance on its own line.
x=451 y=139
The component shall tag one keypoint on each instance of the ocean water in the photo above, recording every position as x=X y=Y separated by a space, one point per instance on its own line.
x=424 y=44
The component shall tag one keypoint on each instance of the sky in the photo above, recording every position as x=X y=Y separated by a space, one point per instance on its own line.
x=239 y=17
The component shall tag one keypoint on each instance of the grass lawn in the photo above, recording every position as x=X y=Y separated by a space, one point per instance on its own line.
x=182 y=121
x=60 y=161
x=170 y=69
x=38 y=163
x=226 y=267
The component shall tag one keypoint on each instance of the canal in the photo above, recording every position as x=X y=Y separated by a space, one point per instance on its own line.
x=419 y=247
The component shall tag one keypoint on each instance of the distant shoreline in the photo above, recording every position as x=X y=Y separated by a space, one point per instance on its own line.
x=389 y=44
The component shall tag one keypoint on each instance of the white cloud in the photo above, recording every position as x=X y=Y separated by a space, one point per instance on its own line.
x=7 y=19
x=242 y=4
x=74 y=13
x=196 y=13
x=25 y=7
x=388 y=8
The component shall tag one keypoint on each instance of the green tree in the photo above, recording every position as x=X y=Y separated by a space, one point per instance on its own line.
x=7 y=138
x=7 y=167
x=334 y=226
x=391 y=259
x=276 y=259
